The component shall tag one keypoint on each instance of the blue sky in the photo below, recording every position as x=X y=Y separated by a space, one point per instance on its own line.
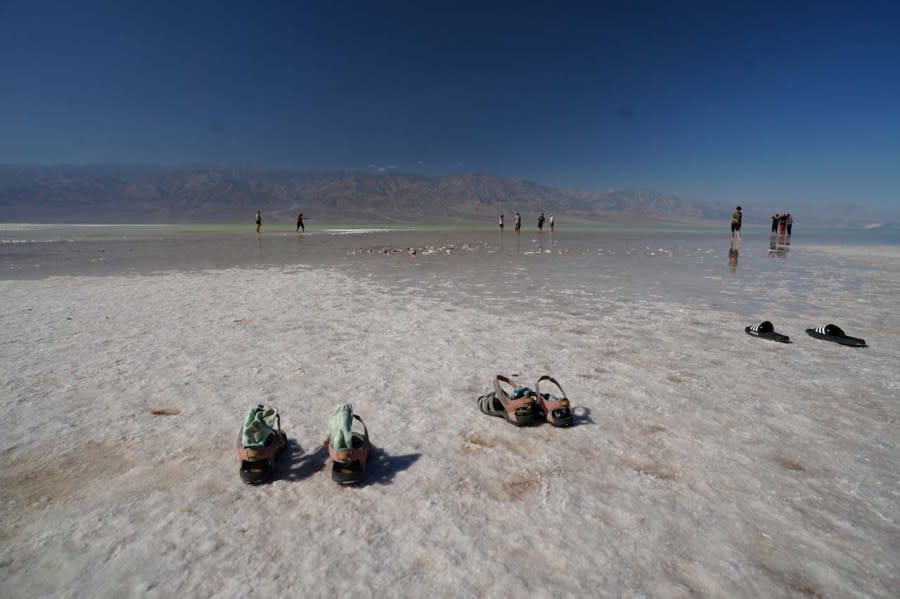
x=779 y=102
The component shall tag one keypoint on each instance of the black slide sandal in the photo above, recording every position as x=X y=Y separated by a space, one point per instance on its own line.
x=766 y=330
x=834 y=333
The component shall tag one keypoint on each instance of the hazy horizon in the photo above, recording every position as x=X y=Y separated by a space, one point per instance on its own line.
x=736 y=104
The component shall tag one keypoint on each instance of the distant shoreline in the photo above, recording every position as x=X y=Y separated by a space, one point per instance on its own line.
x=563 y=225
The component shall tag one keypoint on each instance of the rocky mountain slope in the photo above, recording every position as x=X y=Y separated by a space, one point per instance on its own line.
x=232 y=194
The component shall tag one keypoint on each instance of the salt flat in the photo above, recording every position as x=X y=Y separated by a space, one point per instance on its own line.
x=704 y=463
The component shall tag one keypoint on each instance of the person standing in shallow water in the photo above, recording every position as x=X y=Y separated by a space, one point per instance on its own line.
x=300 y=222
x=552 y=223
x=501 y=223
x=541 y=223
x=518 y=222
x=775 y=223
x=258 y=220
x=736 y=218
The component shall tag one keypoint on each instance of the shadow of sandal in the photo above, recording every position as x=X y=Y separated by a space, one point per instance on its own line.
x=382 y=467
x=297 y=466
x=582 y=416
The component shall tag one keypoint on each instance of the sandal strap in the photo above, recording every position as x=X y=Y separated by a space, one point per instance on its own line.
x=508 y=402
x=365 y=430
x=501 y=393
x=549 y=378
x=486 y=404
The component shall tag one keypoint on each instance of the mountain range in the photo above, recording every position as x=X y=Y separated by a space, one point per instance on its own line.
x=159 y=194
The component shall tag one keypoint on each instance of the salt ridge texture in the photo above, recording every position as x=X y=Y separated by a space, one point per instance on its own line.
x=704 y=463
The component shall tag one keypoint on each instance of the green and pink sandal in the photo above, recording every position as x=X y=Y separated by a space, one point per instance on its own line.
x=554 y=407
x=517 y=406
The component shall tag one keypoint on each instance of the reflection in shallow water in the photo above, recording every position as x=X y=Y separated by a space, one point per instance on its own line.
x=779 y=245
x=733 y=255
x=572 y=267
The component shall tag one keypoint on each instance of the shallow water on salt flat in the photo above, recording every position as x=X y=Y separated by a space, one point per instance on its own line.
x=681 y=264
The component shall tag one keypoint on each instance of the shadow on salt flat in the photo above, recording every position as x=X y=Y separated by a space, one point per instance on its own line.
x=296 y=466
x=381 y=469
x=581 y=416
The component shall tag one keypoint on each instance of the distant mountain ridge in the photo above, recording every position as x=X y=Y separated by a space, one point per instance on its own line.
x=115 y=193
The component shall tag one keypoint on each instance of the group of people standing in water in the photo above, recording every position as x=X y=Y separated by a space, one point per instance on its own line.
x=778 y=245
x=780 y=242
x=782 y=223
x=540 y=222
x=518 y=222
x=300 y=225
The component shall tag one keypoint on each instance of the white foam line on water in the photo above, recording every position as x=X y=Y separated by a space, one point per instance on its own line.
x=51 y=226
x=15 y=241
x=362 y=231
x=886 y=251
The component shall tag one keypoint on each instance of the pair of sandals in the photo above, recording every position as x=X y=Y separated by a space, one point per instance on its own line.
x=828 y=332
x=261 y=441
x=523 y=406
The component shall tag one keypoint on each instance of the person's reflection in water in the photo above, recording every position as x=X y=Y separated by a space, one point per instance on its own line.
x=784 y=248
x=733 y=259
x=779 y=246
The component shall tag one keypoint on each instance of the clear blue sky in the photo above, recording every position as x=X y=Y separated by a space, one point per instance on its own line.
x=783 y=101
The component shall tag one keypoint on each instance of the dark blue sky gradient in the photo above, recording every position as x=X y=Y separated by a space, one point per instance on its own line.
x=782 y=101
